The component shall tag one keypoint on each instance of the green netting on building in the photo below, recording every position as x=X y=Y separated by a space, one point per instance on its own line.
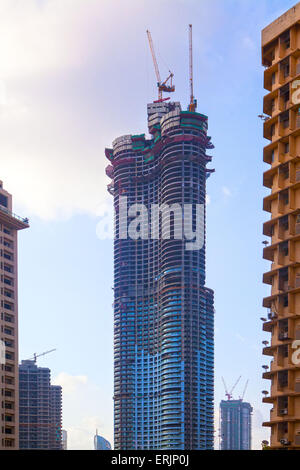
x=149 y=159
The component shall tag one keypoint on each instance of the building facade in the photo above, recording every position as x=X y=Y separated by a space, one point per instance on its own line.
x=236 y=425
x=163 y=312
x=56 y=417
x=10 y=224
x=64 y=437
x=281 y=59
x=40 y=408
x=100 y=443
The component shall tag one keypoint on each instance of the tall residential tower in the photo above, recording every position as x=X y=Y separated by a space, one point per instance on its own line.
x=10 y=224
x=163 y=312
x=40 y=408
x=281 y=59
x=235 y=428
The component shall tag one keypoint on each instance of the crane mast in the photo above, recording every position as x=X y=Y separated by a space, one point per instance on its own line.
x=225 y=387
x=244 y=391
x=231 y=391
x=193 y=103
x=227 y=393
x=154 y=58
x=162 y=86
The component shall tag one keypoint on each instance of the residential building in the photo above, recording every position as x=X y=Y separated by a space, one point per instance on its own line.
x=10 y=224
x=281 y=59
x=40 y=408
x=236 y=425
x=163 y=311
x=64 y=437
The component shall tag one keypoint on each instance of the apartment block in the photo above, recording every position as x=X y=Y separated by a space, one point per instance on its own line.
x=281 y=106
x=10 y=224
x=163 y=311
x=236 y=425
x=40 y=408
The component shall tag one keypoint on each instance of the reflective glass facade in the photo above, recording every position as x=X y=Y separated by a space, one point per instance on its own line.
x=236 y=425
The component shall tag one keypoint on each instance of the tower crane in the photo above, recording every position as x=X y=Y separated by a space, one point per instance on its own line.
x=162 y=86
x=193 y=102
x=244 y=391
x=35 y=356
x=229 y=394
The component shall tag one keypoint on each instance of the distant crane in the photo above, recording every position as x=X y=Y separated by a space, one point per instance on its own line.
x=162 y=86
x=229 y=394
x=244 y=391
x=193 y=102
x=35 y=356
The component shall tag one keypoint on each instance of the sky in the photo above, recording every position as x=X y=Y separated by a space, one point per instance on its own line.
x=75 y=74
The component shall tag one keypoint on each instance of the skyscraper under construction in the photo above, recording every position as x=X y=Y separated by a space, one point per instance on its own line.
x=163 y=312
x=40 y=408
x=235 y=416
x=281 y=58
x=164 y=315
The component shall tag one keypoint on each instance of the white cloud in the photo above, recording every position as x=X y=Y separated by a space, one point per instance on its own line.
x=70 y=383
x=75 y=75
x=226 y=191
x=86 y=407
x=23 y=22
x=55 y=115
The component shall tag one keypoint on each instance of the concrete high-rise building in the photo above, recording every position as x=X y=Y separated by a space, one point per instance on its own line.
x=100 y=443
x=281 y=59
x=56 y=417
x=40 y=408
x=163 y=312
x=235 y=425
x=10 y=224
x=64 y=438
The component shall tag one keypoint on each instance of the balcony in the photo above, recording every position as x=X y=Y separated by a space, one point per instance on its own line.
x=12 y=219
x=283 y=336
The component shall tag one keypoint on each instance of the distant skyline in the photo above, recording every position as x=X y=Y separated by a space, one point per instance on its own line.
x=74 y=74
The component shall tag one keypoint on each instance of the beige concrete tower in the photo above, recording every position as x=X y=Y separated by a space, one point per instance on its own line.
x=281 y=59
x=9 y=384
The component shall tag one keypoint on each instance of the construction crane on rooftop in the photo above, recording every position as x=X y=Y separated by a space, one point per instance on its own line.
x=35 y=356
x=162 y=86
x=229 y=394
x=244 y=391
x=193 y=102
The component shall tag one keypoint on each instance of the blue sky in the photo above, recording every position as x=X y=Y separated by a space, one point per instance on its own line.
x=74 y=75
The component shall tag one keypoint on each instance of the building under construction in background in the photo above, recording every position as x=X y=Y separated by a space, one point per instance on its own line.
x=40 y=408
x=235 y=422
x=235 y=416
x=163 y=312
x=281 y=59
